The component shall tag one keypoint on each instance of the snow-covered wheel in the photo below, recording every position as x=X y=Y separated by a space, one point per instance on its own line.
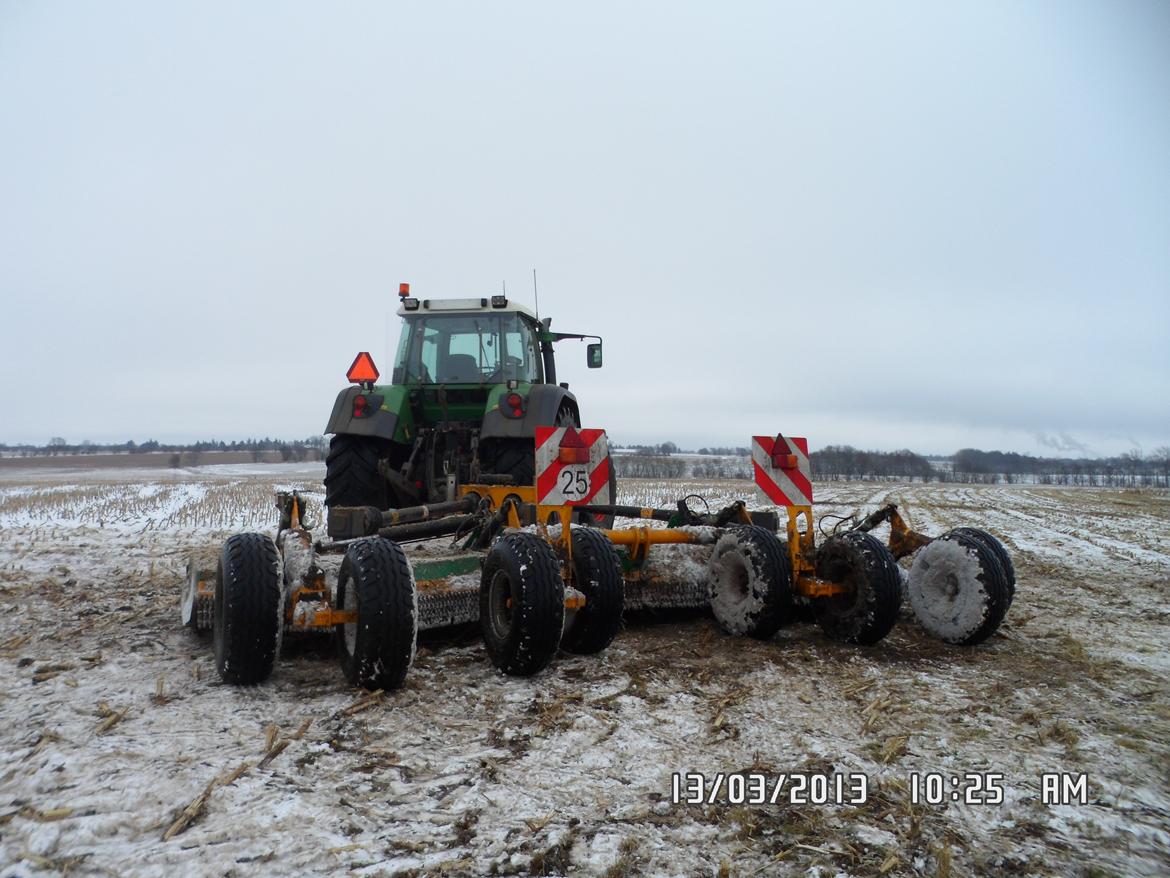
x=377 y=584
x=521 y=603
x=866 y=610
x=1001 y=555
x=597 y=573
x=246 y=629
x=751 y=582
x=958 y=589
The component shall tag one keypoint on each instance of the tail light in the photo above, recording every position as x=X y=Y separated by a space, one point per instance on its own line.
x=513 y=405
x=361 y=406
x=573 y=448
x=781 y=459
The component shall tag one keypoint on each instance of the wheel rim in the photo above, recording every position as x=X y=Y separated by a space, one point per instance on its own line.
x=733 y=577
x=349 y=629
x=845 y=568
x=500 y=605
x=945 y=590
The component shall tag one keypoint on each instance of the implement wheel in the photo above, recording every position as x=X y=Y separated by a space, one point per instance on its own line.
x=597 y=573
x=958 y=589
x=376 y=582
x=521 y=603
x=751 y=582
x=1001 y=555
x=246 y=626
x=866 y=612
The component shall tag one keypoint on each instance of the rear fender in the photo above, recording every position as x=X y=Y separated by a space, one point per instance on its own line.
x=544 y=401
x=391 y=420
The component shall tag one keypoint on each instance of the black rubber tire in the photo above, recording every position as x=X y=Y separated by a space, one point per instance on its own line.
x=867 y=613
x=514 y=457
x=377 y=582
x=521 y=603
x=351 y=472
x=517 y=457
x=246 y=626
x=1001 y=555
x=751 y=582
x=960 y=598
x=597 y=573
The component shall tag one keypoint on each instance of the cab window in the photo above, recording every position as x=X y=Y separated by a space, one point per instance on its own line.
x=467 y=349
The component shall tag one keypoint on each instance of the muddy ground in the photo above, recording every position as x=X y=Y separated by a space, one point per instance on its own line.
x=122 y=753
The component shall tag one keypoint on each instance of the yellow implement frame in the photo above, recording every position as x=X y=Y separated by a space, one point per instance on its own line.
x=639 y=539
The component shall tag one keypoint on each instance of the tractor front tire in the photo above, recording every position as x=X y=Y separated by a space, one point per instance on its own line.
x=246 y=626
x=377 y=584
x=597 y=573
x=868 y=608
x=351 y=472
x=521 y=603
x=958 y=588
x=751 y=582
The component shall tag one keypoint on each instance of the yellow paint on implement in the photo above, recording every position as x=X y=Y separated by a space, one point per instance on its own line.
x=802 y=553
x=639 y=539
x=311 y=609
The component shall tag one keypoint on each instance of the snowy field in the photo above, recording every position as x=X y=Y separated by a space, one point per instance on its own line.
x=121 y=753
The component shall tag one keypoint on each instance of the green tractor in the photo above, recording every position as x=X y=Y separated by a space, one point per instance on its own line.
x=472 y=380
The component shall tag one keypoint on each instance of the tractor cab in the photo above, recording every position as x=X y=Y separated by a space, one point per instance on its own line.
x=458 y=345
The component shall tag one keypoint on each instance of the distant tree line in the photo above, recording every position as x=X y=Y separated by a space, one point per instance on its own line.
x=638 y=464
x=312 y=448
x=649 y=466
x=969 y=466
x=845 y=463
x=664 y=450
x=1132 y=469
x=661 y=461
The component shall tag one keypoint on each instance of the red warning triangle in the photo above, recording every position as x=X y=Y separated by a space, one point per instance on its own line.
x=363 y=369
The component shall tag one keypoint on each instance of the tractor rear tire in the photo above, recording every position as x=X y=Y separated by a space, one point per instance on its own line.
x=377 y=583
x=521 y=603
x=868 y=610
x=1001 y=555
x=597 y=573
x=351 y=472
x=751 y=582
x=958 y=589
x=514 y=457
x=246 y=627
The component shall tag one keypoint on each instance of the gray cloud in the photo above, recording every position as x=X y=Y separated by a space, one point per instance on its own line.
x=941 y=226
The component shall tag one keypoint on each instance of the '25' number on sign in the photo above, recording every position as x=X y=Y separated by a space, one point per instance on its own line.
x=575 y=483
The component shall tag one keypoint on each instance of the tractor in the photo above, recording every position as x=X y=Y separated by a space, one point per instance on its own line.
x=471 y=381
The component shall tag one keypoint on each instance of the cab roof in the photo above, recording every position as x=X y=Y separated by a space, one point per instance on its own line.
x=464 y=306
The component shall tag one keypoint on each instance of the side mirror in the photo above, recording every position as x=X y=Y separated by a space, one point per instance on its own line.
x=593 y=355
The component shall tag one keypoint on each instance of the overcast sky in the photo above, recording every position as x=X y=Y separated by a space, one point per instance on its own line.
x=918 y=225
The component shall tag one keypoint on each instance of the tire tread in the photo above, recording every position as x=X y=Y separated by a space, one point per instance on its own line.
x=247 y=629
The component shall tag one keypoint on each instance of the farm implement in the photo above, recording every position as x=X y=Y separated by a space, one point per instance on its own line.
x=530 y=564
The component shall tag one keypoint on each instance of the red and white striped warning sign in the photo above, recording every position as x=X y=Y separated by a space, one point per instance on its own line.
x=783 y=474
x=572 y=466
